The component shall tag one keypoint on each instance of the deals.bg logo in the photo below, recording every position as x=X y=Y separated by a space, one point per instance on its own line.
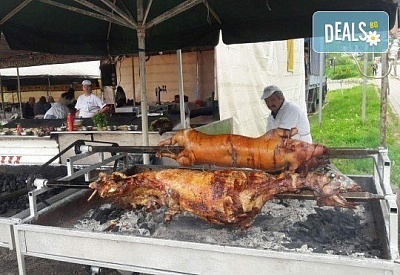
x=350 y=31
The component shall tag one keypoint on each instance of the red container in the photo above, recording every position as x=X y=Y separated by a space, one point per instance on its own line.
x=70 y=122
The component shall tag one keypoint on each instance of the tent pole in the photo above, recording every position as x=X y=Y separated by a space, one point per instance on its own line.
x=181 y=92
x=133 y=81
x=141 y=33
x=384 y=93
x=321 y=76
x=19 y=93
x=48 y=86
x=198 y=75
x=2 y=99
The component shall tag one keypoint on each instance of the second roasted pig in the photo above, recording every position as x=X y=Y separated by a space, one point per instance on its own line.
x=271 y=152
x=232 y=197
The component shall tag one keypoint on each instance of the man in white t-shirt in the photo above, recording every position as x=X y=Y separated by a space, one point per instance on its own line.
x=59 y=109
x=285 y=114
x=88 y=104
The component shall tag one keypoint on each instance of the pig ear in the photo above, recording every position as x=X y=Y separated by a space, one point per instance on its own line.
x=287 y=133
x=284 y=133
x=293 y=131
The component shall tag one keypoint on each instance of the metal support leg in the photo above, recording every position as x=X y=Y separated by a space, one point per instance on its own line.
x=20 y=255
x=70 y=168
x=389 y=205
x=32 y=197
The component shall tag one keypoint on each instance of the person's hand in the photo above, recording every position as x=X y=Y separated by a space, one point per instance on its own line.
x=106 y=110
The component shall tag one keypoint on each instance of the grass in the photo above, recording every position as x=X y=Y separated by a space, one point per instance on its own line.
x=345 y=66
x=342 y=127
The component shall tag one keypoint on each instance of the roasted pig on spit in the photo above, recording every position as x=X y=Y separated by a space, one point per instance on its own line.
x=222 y=197
x=271 y=152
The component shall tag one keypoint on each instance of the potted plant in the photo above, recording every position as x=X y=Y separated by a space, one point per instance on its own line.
x=99 y=120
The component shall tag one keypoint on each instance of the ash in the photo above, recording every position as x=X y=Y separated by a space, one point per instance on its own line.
x=282 y=225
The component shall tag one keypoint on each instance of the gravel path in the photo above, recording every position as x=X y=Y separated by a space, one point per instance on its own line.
x=38 y=266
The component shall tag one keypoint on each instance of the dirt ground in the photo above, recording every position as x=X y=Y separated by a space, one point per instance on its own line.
x=38 y=266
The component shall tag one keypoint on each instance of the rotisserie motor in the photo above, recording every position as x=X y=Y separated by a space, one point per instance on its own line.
x=222 y=197
x=271 y=152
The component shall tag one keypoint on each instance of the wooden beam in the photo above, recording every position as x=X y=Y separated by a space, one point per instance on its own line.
x=14 y=11
x=147 y=12
x=172 y=12
x=128 y=17
x=103 y=11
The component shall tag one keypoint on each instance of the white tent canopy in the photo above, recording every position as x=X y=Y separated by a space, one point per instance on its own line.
x=90 y=69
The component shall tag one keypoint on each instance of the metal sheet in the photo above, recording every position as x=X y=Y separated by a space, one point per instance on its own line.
x=160 y=256
x=7 y=223
x=167 y=256
x=6 y=233
x=26 y=150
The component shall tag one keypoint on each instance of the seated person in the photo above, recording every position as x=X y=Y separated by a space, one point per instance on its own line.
x=39 y=107
x=120 y=97
x=59 y=109
x=50 y=101
x=27 y=110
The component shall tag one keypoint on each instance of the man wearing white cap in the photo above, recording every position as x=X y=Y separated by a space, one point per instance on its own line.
x=88 y=104
x=285 y=114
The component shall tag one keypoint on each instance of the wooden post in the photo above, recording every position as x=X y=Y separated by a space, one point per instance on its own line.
x=364 y=92
x=384 y=93
x=141 y=34
x=321 y=76
x=2 y=99
x=133 y=81
x=181 y=92
x=19 y=93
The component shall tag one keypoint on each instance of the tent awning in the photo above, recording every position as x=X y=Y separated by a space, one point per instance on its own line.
x=89 y=69
x=101 y=28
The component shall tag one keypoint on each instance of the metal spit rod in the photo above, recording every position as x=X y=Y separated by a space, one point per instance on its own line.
x=350 y=196
x=304 y=195
x=131 y=149
x=40 y=183
x=333 y=152
x=352 y=152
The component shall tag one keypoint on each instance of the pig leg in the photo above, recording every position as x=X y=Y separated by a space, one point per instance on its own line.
x=165 y=142
x=178 y=138
x=171 y=212
x=185 y=158
x=292 y=167
x=335 y=200
x=182 y=158
x=167 y=155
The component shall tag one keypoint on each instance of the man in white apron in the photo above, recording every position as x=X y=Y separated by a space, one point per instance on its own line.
x=88 y=104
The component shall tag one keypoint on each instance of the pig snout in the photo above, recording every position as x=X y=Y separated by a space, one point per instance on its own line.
x=307 y=150
x=320 y=150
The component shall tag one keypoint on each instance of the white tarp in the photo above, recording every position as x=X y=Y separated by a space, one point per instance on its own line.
x=242 y=71
x=90 y=69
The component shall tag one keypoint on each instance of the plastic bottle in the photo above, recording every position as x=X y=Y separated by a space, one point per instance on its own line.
x=19 y=129
x=70 y=122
